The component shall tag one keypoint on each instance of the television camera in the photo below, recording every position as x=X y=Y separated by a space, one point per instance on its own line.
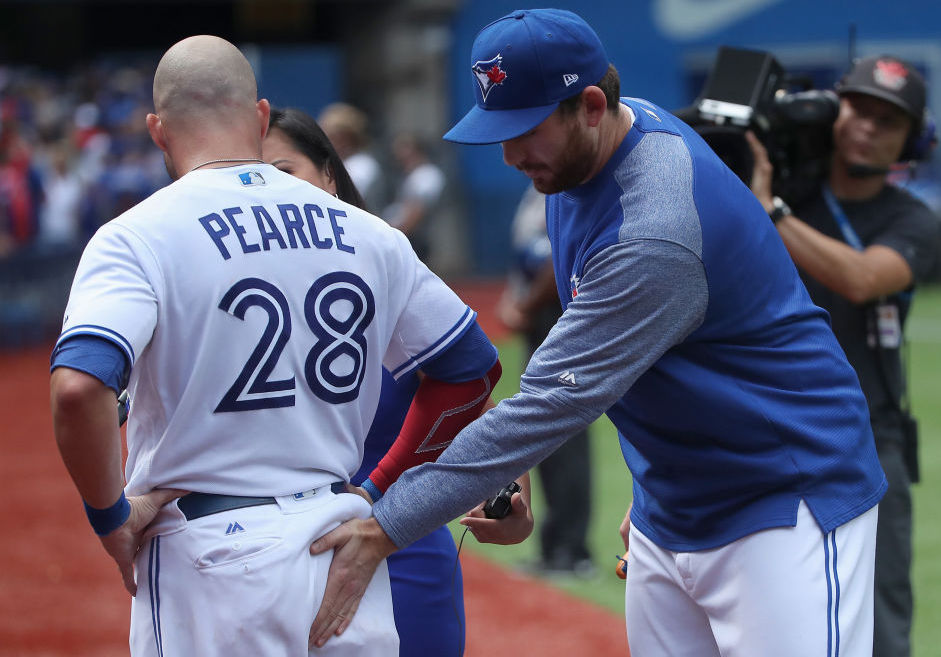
x=750 y=90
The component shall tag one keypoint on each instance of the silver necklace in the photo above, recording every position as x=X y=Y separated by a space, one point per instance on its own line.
x=228 y=159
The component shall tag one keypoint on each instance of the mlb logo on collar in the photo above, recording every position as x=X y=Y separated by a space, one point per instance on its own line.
x=251 y=178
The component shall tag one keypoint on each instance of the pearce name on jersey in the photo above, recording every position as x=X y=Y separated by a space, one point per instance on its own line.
x=296 y=227
x=221 y=338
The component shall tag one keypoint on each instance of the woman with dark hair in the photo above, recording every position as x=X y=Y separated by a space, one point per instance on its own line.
x=427 y=590
x=302 y=149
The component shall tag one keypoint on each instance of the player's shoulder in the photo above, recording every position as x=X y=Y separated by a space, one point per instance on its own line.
x=650 y=117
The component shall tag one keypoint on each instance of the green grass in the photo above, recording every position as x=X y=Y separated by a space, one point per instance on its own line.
x=612 y=486
x=924 y=331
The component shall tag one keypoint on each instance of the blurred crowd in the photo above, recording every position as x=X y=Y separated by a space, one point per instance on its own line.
x=74 y=151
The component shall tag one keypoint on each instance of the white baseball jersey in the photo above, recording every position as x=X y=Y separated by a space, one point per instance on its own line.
x=256 y=311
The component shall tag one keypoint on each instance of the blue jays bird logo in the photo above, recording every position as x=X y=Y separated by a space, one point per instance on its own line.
x=489 y=74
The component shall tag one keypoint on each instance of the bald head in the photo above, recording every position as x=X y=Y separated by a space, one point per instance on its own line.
x=206 y=105
x=203 y=77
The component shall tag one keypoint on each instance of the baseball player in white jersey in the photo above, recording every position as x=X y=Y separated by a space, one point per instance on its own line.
x=249 y=314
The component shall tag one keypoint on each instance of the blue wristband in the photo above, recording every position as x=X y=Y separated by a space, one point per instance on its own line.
x=370 y=488
x=105 y=521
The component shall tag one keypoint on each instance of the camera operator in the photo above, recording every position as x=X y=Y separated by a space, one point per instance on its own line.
x=860 y=244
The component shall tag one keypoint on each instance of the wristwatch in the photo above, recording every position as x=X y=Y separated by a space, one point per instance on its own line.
x=779 y=210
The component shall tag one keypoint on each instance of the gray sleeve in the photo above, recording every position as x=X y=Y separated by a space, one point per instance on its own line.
x=636 y=300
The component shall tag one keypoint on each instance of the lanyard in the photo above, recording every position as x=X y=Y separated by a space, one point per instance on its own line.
x=848 y=233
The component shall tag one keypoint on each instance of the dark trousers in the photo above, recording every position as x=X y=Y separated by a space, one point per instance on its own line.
x=893 y=588
x=566 y=485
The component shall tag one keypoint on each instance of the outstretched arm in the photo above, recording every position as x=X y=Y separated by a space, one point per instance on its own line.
x=361 y=545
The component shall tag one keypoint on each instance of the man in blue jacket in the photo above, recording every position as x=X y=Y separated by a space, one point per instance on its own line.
x=756 y=480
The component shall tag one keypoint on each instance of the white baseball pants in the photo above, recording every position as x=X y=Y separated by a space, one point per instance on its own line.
x=243 y=583
x=780 y=592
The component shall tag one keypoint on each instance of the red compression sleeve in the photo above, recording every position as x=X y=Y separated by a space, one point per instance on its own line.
x=438 y=412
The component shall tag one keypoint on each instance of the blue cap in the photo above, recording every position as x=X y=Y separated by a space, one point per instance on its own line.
x=523 y=66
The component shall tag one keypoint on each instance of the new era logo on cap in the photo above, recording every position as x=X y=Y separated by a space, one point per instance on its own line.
x=569 y=79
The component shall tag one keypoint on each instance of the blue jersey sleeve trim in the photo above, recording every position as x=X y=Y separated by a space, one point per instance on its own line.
x=95 y=356
x=452 y=334
x=469 y=357
x=102 y=332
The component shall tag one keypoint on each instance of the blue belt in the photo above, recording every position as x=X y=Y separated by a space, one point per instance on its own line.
x=197 y=505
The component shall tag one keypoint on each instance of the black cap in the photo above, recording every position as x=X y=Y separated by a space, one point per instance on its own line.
x=890 y=79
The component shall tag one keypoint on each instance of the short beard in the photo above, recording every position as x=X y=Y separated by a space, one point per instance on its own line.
x=573 y=168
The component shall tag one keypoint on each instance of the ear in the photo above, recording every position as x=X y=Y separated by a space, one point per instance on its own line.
x=595 y=105
x=155 y=128
x=263 y=108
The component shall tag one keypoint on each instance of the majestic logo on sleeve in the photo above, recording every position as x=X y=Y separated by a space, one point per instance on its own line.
x=889 y=74
x=489 y=74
